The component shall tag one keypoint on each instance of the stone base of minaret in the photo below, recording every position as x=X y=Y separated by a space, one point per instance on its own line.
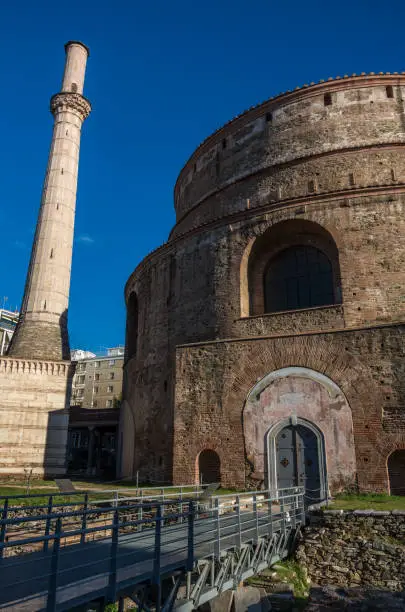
x=34 y=416
x=41 y=340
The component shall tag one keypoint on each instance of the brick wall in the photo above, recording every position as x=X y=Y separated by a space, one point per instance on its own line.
x=341 y=187
x=217 y=378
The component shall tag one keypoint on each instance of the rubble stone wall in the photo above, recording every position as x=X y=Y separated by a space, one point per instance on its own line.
x=353 y=549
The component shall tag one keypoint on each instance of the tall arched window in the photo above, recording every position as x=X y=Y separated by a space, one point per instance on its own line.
x=131 y=343
x=300 y=276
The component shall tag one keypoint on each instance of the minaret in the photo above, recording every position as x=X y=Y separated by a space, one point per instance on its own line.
x=42 y=329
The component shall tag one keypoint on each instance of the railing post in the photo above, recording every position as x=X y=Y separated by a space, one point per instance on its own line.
x=140 y=510
x=84 y=519
x=217 y=547
x=282 y=510
x=181 y=505
x=256 y=516
x=303 y=516
x=156 y=563
x=294 y=505
x=239 y=521
x=3 y=527
x=53 y=576
x=112 y=581
x=48 y=522
x=190 y=547
x=270 y=515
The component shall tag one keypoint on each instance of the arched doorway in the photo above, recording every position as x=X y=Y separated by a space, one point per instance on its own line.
x=209 y=467
x=396 y=472
x=300 y=395
x=296 y=458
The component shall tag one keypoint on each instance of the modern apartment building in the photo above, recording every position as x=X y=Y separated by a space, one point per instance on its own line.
x=8 y=322
x=97 y=382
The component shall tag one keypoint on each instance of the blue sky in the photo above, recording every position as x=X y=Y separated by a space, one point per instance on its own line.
x=162 y=75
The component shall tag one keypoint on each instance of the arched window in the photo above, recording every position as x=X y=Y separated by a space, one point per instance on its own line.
x=293 y=264
x=131 y=343
x=396 y=472
x=209 y=467
x=298 y=277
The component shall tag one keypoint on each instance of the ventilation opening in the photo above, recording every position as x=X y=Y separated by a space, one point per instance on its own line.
x=390 y=91
x=393 y=174
x=327 y=99
x=74 y=87
x=311 y=186
x=51 y=255
x=45 y=305
x=224 y=143
x=269 y=117
x=351 y=179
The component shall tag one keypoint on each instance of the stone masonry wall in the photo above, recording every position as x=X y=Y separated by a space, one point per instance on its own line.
x=352 y=549
x=34 y=416
x=361 y=115
x=290 y=164
x=367 y=365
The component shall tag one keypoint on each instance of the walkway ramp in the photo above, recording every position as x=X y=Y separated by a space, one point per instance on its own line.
x=173 y=554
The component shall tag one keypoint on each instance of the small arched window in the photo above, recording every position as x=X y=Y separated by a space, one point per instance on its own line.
x=396 y=472
x=209 y=467
x=132 y=326
x=298 y=277
x=74 y=87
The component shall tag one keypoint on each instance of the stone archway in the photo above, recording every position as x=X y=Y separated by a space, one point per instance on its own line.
x=396 y=472
x=208 y=468
x=296 y=394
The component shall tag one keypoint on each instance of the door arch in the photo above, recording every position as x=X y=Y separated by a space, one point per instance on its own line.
x=396 y=472
x=208 y=467
x=296 y=457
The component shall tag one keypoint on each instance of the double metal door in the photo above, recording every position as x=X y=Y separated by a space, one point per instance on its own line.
x=297 y=459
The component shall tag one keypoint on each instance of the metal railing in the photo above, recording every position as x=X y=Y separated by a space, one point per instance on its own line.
x=103 y=495
x=73 y=556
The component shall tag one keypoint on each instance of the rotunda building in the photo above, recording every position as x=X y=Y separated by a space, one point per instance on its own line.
x=265 y=339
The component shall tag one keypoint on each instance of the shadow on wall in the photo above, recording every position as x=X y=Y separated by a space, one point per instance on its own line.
x=357 y=599
x=64 y=336
x=55 y=454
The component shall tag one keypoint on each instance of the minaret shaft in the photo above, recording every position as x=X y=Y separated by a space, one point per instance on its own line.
x=42 y=330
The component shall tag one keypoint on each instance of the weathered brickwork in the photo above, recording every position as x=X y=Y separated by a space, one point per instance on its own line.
x=327 y=176
x=217 y=377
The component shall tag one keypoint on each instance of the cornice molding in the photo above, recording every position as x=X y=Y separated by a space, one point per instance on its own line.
x=72 y=102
